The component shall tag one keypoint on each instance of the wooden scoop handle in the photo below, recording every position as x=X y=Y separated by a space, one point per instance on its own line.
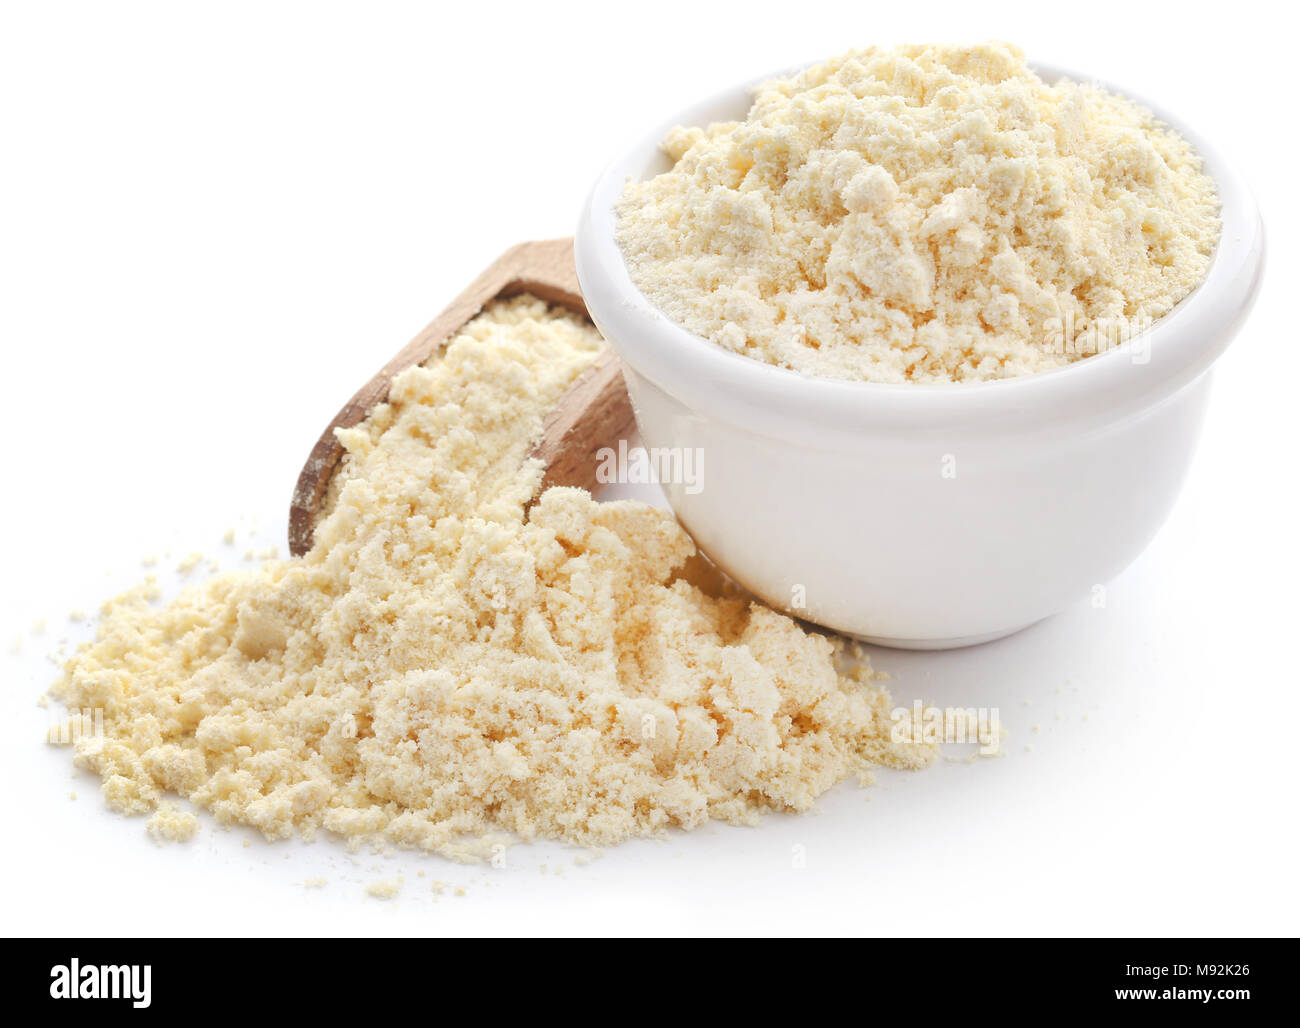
x=594 y=412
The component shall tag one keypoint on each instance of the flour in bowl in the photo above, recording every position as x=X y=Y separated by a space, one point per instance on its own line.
x=924 y=214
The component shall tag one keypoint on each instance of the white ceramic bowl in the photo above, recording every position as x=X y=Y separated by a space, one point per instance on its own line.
x=919 y=516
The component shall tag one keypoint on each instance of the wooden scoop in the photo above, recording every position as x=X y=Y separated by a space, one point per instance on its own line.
x=594 y=412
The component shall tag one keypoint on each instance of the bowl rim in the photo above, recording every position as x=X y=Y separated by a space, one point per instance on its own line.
x=1180 y=346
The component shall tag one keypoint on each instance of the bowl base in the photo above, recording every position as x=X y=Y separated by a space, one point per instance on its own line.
x=956 y=642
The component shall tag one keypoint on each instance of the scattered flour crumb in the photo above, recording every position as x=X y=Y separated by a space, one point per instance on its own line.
x=385 y=889
x=170 y=823
x=315 y=883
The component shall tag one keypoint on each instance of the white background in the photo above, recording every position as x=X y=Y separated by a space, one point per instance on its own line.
x=218 y=220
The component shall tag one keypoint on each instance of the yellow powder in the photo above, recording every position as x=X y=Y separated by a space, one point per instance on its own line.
x=447 y=669
x=922 y=214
